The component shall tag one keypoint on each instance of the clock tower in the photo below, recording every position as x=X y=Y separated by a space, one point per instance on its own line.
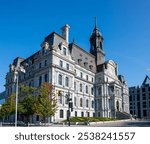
x=96 y=45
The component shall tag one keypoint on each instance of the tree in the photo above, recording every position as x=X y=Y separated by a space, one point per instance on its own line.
x=8 y=108
x=46 y=104
x=26 y=101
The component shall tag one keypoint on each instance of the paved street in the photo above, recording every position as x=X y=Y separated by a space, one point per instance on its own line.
x=130 y=123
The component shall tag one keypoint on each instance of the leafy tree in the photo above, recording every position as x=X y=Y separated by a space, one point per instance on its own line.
x=26 y=101
x=46 y=104
x=8 y=108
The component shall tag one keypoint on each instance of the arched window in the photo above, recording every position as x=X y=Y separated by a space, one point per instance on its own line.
x=86 y=89
x=60 y=79
x=61 y=113
x=80 y=87
x=82 y=114
x=75 y=101
x=67 y=81
x=87 y=103
x=81 y=102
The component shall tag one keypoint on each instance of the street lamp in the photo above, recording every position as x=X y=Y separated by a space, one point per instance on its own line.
x=16 y=109
x=16 y=73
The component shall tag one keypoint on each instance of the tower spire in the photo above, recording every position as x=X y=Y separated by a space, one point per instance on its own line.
x=95 y=19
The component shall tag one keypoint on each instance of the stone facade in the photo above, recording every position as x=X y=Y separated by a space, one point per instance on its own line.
x=93 y=83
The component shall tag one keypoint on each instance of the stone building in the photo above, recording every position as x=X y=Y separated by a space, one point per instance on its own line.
x=94 y=85
x=140 y=99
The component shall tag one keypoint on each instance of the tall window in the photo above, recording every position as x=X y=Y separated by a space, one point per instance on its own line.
x=45 y=63
x=92 y=91
x=82 y=114
x=67 y=81
x=60 y=98
x=66 y=99
x=64 y=51
x=60 y=79
x=75 y=101
x=86 y=89
x=74 y=85
x=92 y=104
x=81 y=102
x=40 y=65
x=87 y=103
x=76 y=114
x=67 y=66
x=46 y=78
x=81 y=75
x=61 y=63
x=40 y=80
x=80 y=87
x=87 y=77
x=92 y=79
x=99 y=91
x=61 y=113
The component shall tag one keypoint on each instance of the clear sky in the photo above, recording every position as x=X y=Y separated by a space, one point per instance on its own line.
x=124 y=24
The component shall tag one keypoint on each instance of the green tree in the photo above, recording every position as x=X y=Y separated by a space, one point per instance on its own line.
x=8 y=108
x=46 y=104
x=26 y=101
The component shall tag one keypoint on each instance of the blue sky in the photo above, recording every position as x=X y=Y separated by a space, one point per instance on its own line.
x=124 y=24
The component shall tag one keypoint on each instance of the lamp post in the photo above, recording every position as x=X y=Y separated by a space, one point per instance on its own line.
x=16 y=98
x=16 y=108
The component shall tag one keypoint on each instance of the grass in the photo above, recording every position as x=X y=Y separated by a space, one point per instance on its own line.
x=90 y=119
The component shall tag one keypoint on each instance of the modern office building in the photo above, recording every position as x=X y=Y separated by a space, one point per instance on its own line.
x=140 y=99
x=94 y=85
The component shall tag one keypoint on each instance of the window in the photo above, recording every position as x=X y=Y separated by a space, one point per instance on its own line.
x=86 y=89
x=46 y=78
x=67 y=66
x=74 y=85
x=61 y=63
x=76 y=114
x=80 y=87
x=45 y=63
x=60 y=79
x=87 y=103
x=40 y=65
x=67 y=81
x=64 y=50
x=81 y=102
x=61 y=113
x=40 y=80
x=92 y=104
x=82 y=114
x=87 y=77
x=66 y=99
x=92 y=91
x=81 y=75
x=60 y=98
x=99 y=91
x=92 y=79
x=75 y=101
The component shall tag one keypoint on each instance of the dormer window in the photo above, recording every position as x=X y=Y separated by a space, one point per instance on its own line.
x=79 y=61
x=64 y=51
x=91 y=67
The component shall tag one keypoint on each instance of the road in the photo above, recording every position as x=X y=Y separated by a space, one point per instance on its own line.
x=130 y=123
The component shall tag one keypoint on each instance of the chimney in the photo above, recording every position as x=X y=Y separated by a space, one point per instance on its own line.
x=65 y=32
